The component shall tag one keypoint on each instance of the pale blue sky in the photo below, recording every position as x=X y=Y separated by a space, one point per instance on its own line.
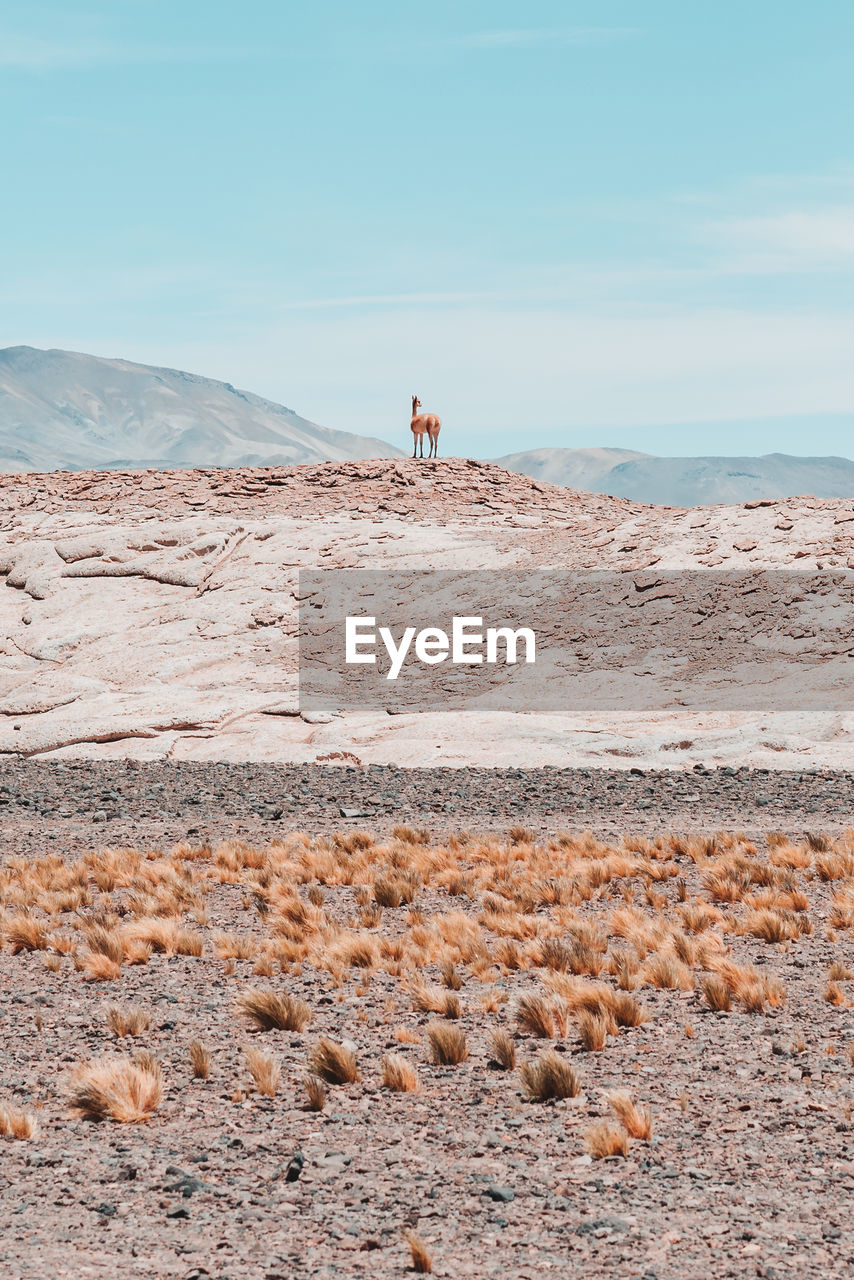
x=623 y=222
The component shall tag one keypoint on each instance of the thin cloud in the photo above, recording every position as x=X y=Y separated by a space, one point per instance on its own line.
x=792 y=240
x=530 y=37
x=32 y=53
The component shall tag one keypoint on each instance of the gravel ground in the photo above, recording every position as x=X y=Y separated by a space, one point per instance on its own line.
x=750 y=1171
x=60 y=802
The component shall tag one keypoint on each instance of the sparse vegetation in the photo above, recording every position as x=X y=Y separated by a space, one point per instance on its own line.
x=200 y=1059
x=264 y=1069
x=548 y=1076
x=545 y=938
x=636 y=1120
x=399 y=1075
x=315 y=1091
x=127 y=1020
x=120 y=1089
x=17 y=1124
x=606 y=1139
x=504 y=1050
x=422 y=1259
x=269 y=1011
x=334 y=1063
x=447 y=1043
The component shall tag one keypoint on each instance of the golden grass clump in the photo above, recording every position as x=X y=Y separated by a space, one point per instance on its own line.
x=593 y=1030
x=627 y=1011
x=636 y=1120
x=668 y=973
x=399 y=1075
x=127 y=1020
x=333 y=1062
x=97 y=967
x=19 y=1125
x=422 y=1259
x=770 y=925
x=539 y=1016
x=716 y=994
x=315 y=1093
x=548 y=1076
x=604 y=1139
x=447 y=1043
x=436 y=1000
x=265 y=1070
x=200 y=1059
x=27 y=933
x=504 y=1050
x=270 y=1011
x=119 y=1089
x=834 y=994
x=749 y=988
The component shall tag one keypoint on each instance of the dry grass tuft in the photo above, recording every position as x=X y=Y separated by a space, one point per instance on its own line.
x=717 y=994
x=315 y=1091
x=636 y=1120
x=269 y=1011
x=26 y=933
x=398 y=1074
x=422 y=1259
x=626 y=1010
x=436 y=1000
x=447 y=1043
x=548 y=1076
x=17 y=1124
x=834 y=994
x=127 y=1020
x=539 y=1016
x=593 y=1030
x=504 y=1050
x=333 y=1062
x=200 y=1059
x=96 y=967
x=117 y=1089
x=265 y=1070
x=668 y=973
x=606 y=1139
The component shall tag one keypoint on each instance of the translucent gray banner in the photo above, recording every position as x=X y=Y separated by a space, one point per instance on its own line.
x=559 y=641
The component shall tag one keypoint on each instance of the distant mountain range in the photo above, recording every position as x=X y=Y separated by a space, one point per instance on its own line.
x=686 y=482
x=63 y=411
x=60 y=410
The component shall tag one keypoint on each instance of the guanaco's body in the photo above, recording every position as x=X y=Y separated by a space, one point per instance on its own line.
x=424 y=424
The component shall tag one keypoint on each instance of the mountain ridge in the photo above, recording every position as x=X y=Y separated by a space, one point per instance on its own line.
x=66 y=410
x=686 y=482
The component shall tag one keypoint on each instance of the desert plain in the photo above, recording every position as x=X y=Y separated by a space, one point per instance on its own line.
x=374 y=995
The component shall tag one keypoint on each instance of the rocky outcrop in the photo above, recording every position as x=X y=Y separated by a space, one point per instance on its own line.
x=155 y=614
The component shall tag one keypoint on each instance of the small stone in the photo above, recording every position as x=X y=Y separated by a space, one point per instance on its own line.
x=503 y=1195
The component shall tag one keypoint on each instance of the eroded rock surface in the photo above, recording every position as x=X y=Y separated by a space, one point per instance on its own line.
x=154 y=614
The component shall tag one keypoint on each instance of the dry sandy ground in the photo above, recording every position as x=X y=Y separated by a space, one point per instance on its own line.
x=748 y=1168
x=154 y=615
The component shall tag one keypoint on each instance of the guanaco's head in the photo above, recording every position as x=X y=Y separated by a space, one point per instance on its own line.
x=416 y=404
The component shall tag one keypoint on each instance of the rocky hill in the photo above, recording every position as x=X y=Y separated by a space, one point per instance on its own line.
x=61 y=409
x=686 y=482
